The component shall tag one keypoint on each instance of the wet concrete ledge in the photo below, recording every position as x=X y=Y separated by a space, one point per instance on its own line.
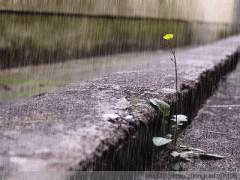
x=108 y=123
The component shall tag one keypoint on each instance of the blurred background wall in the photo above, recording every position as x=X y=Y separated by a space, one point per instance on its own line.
x=48 y=31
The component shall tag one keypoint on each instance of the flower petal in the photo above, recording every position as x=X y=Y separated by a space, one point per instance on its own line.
x=168 y=36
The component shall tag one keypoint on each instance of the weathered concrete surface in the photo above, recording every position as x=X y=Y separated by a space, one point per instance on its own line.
x=107 y=123
x=216 y=128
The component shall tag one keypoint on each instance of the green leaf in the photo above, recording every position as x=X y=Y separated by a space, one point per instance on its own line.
x=159 y=141
x=190 y=154
x=162 y=106
x=189 y=148
x=180 y=118
x=176 y=166
x=210 y=156
x=174 y=127
x=187 y=159
x=185 y=154
x=169 y=136
x=175 y=154
x=179 y=123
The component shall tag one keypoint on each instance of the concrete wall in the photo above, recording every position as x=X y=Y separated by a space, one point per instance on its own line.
x=220 y=11
x=236 y=16
x=34 y=39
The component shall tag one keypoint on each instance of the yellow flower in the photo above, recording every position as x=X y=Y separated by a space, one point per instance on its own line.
x=168 y=36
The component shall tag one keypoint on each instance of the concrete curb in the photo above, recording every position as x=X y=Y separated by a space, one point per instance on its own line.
x=108 y=123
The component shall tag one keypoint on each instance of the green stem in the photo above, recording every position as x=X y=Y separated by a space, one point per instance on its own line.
x=175 y=62
x=172 y=50
x=163 y=127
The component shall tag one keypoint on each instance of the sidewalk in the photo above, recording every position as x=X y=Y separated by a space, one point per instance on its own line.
x=216 y=129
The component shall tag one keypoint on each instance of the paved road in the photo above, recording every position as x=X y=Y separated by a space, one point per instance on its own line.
x=216 y=129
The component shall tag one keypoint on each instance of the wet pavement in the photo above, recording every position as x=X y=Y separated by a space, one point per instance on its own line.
x=107 y=123
x=216 y=129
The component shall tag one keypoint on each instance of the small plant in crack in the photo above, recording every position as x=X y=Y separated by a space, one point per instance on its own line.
x=180 y=152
